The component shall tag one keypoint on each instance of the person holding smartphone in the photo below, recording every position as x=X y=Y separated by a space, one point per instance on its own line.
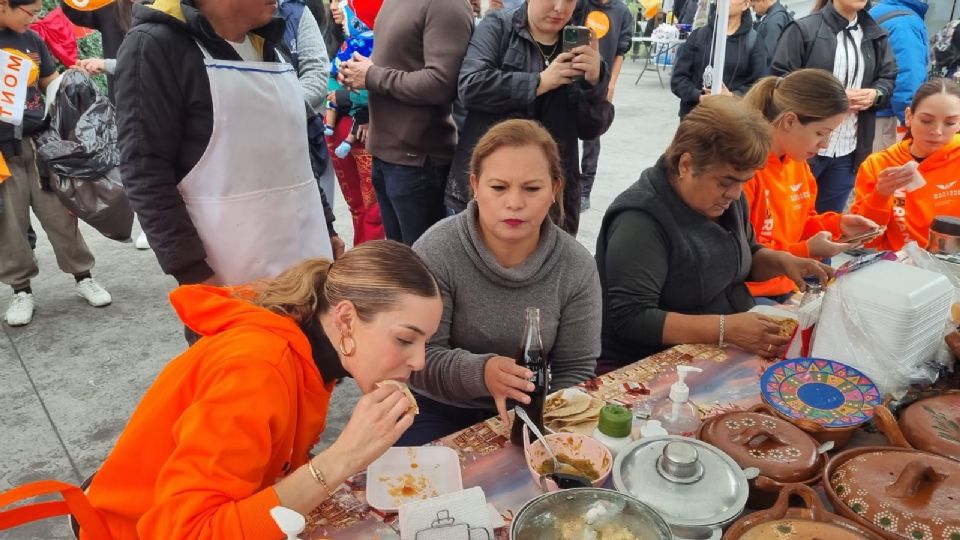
x=803 y=108
x=905 y=186
x=516 y=66
x=612 y=23
x=841 y=37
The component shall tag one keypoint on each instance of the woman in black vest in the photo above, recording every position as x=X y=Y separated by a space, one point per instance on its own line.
x=676 y=247
x=841 y=37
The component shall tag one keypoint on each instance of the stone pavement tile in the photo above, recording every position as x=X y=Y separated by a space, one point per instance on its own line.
x=92 y=365
x=31 y=449
x=91 y=391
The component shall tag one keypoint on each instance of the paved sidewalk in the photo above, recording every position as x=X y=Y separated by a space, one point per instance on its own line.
x=70 y=380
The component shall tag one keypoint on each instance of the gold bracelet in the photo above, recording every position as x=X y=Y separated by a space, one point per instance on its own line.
x=317 y=476
x=721 y=342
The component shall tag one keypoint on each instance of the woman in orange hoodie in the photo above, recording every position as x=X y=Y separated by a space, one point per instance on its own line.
x=886 y=191
x=805 y=107
x=223 y=434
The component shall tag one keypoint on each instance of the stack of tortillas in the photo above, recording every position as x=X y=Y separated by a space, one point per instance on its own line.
x=572 y=411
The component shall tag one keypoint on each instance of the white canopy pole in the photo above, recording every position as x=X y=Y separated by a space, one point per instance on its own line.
x=720 y=45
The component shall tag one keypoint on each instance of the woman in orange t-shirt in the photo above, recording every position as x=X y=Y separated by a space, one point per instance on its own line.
x=805 y=107
x=886 y=192
x=223 y=434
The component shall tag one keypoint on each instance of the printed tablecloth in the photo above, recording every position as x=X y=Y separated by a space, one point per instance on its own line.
x=730 y=379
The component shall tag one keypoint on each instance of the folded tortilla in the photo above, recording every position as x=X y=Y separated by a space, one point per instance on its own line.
x=414 y=408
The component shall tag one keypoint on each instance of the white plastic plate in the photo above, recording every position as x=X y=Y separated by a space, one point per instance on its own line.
x=405 y=474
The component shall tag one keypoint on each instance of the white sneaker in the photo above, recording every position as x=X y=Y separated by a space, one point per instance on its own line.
x=141 y=242
x=20 y=312
x=93 y=293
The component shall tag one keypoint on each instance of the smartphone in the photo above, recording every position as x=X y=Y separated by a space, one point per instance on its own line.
x=573 y=37
x=861 y=238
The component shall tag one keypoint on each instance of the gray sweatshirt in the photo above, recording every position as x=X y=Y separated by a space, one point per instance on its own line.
x=314 y=68
x=484 y=303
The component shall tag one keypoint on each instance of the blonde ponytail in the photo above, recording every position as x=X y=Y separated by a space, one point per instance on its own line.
x=295 y=292
x=811 y=94
x=372 y=275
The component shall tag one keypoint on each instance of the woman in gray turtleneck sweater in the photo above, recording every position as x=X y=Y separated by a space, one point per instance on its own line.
x=498 y=257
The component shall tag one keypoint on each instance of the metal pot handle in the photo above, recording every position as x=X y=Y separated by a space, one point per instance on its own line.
x=888 y=425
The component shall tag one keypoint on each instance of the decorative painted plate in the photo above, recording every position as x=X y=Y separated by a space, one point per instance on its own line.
x=829 y=393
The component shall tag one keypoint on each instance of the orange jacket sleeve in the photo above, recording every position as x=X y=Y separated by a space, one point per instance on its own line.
x=756 y=201
x=868 y=202
x=829 y=221
x=210 y=487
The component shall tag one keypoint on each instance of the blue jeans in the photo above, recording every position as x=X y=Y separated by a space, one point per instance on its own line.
x=439 y=420
x=835 y=179
x=411 y=198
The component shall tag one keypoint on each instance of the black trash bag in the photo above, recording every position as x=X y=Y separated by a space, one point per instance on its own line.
x=79 y=152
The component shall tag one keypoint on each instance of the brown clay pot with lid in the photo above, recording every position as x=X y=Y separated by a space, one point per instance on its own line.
x=931 y=424
x=897 y=493
x=783 y=453
x=812 y=521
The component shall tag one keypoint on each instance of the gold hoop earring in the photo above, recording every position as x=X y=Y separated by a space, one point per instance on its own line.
x=343 y=346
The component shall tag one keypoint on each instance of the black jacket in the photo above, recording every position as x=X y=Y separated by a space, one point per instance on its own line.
x=498 y=80
x=655 y=256
x=771 y=26
x=811 y=42
x=745 y=62
x=105 y=20
x=165 y=120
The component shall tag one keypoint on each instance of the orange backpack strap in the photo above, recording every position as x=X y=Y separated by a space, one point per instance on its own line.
x=74 y=503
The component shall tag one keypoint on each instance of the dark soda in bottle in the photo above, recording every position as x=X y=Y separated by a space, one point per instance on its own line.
x=531 y=356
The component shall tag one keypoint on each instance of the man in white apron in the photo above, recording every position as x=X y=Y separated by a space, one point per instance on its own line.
x=213 y=142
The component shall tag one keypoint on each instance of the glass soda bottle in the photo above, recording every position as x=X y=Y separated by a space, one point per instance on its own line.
x=531 y=356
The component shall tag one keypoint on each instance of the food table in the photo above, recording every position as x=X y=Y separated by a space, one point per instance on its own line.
x=730 y=379
x=659 y=51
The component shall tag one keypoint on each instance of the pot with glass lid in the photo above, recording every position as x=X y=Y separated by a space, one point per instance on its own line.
x=581 y=513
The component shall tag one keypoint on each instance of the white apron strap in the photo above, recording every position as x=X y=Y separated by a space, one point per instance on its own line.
x=208 y=56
